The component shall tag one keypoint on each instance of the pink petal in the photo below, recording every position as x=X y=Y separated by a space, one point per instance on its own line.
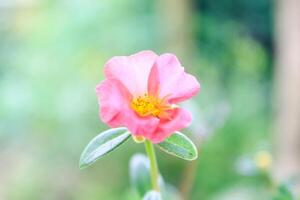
x=153 y=81
x=140 y=126
x=180 y=119
x=132 y=71
x=136 y=75
x=114 y=100
x=173 y=80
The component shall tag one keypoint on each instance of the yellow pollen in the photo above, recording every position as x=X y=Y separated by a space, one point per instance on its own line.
x=150 y=105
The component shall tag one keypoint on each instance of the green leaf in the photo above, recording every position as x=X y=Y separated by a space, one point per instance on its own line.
x=179 y=145
x=140 y=173
x=283 y=193
x=102 y=144
x=152 y=195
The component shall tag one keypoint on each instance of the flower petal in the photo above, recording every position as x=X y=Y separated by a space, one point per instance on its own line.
x=173 y=80
x=114 y=100
x=140 y=126
x=180 y=119
x=132 y=71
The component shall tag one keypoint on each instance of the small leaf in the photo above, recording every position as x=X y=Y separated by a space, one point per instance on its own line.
x=179 y=145
x=102 y=144
x=152 y=195
x=140 y=173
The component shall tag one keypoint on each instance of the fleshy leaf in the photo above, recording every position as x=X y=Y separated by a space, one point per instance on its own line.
x=152 y=195
x=102 y=144
x=140 y=173
x=179 y=145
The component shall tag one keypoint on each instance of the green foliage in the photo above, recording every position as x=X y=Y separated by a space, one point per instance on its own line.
x=152 y=195
x=179 y=145
x=139 y=169
x=102 y=144
x=140 y=174
x=283 y=193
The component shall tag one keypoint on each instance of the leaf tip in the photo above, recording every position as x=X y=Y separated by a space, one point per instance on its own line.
x=193 y=158
x=83 y=164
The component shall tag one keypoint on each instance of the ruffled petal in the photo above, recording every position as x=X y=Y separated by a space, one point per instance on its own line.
x=140 y=126
x=114 y=100
x=132 y=71
x=160 y=76
x=180 y=119
x=172 y=79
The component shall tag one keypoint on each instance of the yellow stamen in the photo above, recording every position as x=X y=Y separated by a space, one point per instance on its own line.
x=150 y=105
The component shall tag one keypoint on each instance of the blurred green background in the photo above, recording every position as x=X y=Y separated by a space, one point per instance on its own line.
x=52 y=54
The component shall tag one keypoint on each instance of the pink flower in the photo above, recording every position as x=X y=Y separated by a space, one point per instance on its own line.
x=141 y=92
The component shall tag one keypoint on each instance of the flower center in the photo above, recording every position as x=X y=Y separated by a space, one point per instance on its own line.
x=150 y=105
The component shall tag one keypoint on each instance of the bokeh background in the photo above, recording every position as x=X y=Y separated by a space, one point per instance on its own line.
x=246 y=118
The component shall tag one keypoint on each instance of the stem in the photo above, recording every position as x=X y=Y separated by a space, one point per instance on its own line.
x=153 y=164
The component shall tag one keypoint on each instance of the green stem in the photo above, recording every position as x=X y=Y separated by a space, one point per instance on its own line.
x=153 y=164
